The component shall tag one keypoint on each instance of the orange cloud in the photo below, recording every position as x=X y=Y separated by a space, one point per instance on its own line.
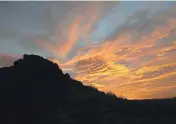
x=81 y=28
x=123 y=65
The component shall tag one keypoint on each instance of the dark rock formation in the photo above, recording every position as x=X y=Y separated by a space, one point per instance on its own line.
x=35 y=91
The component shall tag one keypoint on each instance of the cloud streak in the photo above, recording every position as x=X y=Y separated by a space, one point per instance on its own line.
x=78 y=31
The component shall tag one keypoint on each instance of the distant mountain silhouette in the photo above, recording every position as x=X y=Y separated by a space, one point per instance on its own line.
x=36 y=91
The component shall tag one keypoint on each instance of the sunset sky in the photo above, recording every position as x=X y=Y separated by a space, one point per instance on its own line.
x=128 y=48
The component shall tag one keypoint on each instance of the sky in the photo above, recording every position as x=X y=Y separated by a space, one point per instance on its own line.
x=128 y=48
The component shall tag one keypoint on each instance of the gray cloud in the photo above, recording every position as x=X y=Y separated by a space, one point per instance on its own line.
x=7 y=60
x=24 y=22
x=143 y=21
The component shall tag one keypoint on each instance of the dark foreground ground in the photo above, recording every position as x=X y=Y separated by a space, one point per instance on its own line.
x=35 y=91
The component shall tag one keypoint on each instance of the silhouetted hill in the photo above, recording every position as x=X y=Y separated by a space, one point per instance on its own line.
x=36 y=91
